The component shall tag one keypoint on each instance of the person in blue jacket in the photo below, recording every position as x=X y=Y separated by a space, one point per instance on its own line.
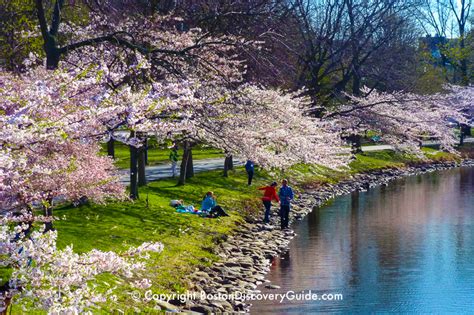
x=209 y=205
x=250 y=168
x=286 y=197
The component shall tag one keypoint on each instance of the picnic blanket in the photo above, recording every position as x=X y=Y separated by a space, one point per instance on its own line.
x=189 y=209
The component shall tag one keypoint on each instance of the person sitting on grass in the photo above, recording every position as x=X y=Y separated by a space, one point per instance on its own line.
x=175 y=203
x=268 y=195
x=209 y=205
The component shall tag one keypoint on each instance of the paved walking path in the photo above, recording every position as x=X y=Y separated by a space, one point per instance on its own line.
x=164 y=170
x=381 y=147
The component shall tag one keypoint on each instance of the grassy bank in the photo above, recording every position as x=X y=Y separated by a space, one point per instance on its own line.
x=312 y=176
x=190 y=240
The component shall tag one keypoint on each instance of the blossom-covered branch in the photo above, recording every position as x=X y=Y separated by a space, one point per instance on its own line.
x=402 y=119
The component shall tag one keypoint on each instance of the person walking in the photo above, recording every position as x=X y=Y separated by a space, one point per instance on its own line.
x=250 y=168
x=174 y=160
x=286 y=196
x=268 y=195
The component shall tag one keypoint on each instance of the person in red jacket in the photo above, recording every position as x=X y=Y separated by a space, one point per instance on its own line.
x=268 y=195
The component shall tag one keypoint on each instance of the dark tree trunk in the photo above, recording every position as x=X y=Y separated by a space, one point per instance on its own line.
x=141 y=167
x=48 y=212
x=464 y=74
x=7 y=299
x=53 y=52
x=133 y=170
x=464 y=130
x=146 y=150
x=52 y=57
x=356 y=82
x=111 y=148
x=190 y=164
x=356 y=144
x=51 y=46
x=184 y=164
x=228 y=165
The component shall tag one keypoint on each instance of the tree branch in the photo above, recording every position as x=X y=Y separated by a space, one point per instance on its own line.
x=56 y=17
x=42 y=19
x=114 y=39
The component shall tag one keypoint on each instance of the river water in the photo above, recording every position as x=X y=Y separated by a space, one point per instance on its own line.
x=407 y=247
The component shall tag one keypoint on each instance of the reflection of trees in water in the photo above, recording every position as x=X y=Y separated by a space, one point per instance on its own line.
x=382 y=245
x=313 y=222
x=465 y=241
x=354 y=239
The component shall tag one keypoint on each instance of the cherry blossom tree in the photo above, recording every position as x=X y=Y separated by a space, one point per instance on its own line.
x=462 y=97
x=270 y=127
x=402 y=119
x=47 y=136
x=50 y=125
x=58 y=280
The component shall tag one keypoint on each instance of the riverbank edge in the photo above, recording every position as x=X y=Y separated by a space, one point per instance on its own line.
x=246 y=256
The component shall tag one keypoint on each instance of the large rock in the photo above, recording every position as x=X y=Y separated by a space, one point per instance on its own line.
x=222 y=304
x=167 y=306
x=202 y=309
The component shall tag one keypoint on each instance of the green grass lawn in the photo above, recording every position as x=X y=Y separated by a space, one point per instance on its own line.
x=391 y=159
x=189 y=239
x=158 y=154
x=312 y=176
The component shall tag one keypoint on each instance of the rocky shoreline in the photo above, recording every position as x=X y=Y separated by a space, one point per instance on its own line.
x=246 y=256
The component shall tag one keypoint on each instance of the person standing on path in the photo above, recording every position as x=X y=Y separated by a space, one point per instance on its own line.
x=174 y=160
x=286 y=196
x=268 y=195
x=250 y=168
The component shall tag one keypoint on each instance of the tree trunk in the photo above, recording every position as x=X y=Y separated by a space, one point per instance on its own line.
x=53 y=53
x=6 y=300
x=228 y=165
x=464 y=74
x=190 y=164
x=231 y=162
x=464 y=130
x=133 y=170
x=356 y=144
x=51 y=47
x=184 y=164
x=52 y=60
x=356 y=82
x=462 y=36
x=355 y=48
x=111 y=148
x=48 y=212
x=146 y=150
x=141 y=167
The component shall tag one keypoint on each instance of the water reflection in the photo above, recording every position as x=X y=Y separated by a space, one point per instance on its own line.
x=408 y=247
